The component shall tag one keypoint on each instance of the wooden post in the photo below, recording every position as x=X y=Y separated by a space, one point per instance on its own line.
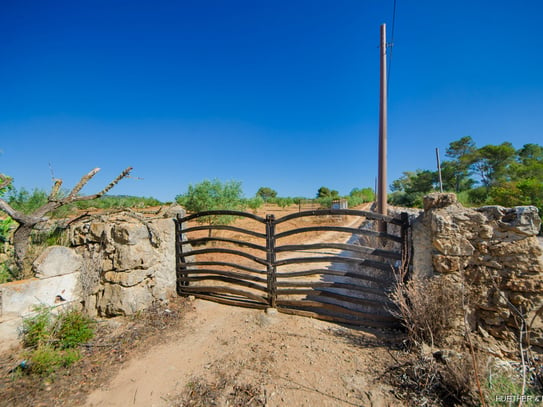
x=382 y=192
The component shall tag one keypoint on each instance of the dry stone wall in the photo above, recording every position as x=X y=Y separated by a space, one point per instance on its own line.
x=128 y=262
x=494 y=254
x=116 y=265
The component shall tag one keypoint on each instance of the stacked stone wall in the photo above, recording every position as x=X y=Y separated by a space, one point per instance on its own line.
x=494 y=254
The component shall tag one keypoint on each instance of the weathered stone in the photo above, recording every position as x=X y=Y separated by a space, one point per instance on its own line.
x=79 y=234
x=19 y=297
x=436 y=200
x=118 y=300
x=449 y=264
x=137 y=256
x=130 y=233
x=532 y=285
x=457 y=246
x=486 y=232
x=127 y=279
x=57 y=261
x=492 y=249
x=99 y=231
x=175 y=211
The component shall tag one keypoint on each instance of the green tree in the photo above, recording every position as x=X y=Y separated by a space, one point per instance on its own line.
x=364 y=194
x=529 y=163
x=213 y=195
x=266 y=193
x=325 y=192
x=456 y=173
x=492 y=162
x=410 y=188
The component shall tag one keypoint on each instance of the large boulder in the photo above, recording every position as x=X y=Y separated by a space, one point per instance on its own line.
x=57 y=261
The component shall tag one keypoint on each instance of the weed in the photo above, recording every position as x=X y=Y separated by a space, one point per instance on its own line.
x=46 y=359
x=37 y=329
x=427 y=309
x=53 y=339
x=74 y=328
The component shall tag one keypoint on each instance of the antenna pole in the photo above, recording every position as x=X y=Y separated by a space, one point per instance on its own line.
x=382 y=192
x=439 y=171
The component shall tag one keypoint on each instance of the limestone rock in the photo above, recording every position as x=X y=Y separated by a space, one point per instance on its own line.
x=137 y=256
x=118 y=300
x=437 y=200
x=127 y=279
x=57 y=261
x=459 y=246
x=449 y=264
x=130 y=233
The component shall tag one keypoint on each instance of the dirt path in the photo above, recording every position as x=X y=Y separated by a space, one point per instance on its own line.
x=285 y=360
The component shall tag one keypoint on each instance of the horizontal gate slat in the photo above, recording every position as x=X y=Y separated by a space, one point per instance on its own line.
x=336 y=308
x=313 y=291
x=226 y=251
x=346 y=212
x=229 y=301
x=331 y=284
x=222 y=212
x=223 y=290
x=342 y=246
x=339 y=229
x=341 y=297
x=336 y=259
x=330 y=272
x=204 y=240
x=221 y=263
x=225 y=227
x=235 y=281
x=232 y=274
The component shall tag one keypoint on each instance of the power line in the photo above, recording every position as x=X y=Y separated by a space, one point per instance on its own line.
x=391 y=43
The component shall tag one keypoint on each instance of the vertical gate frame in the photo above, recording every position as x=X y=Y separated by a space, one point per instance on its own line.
x=270 y=257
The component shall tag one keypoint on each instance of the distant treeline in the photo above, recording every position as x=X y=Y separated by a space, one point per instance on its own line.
x=488 y=175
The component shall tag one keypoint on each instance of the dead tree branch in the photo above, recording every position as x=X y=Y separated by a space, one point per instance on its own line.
x=27 y=222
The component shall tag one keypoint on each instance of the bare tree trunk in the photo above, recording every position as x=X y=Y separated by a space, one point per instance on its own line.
x=21 y=240
x=21 y=237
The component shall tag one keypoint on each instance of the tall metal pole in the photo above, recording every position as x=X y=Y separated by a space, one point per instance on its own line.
x=382 y=193
x=439 y=171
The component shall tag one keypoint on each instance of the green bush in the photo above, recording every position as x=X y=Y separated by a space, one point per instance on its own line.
x=53 y=339
x=5 y=273
x=46 y=359
x=37 y=329
x=255 y=203
x=74 y=328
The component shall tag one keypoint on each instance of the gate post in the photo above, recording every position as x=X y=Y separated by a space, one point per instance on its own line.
x=180 y=263
x=270 y=258
x=406 y=247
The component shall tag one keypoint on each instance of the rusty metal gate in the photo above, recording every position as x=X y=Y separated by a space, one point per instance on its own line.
x=336 y=268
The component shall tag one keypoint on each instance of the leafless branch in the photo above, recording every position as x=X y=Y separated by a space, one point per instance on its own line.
x=5 y=181
x=122 y=175
x=82 y=182
x=54 y=191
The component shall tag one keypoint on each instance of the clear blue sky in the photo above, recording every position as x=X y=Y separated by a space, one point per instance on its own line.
x=270 y=93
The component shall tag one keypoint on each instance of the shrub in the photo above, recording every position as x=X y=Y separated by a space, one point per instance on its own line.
x=53 y=339
x=74 y=328
x=427 y=309
x=37 y=329
x=46 y=359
